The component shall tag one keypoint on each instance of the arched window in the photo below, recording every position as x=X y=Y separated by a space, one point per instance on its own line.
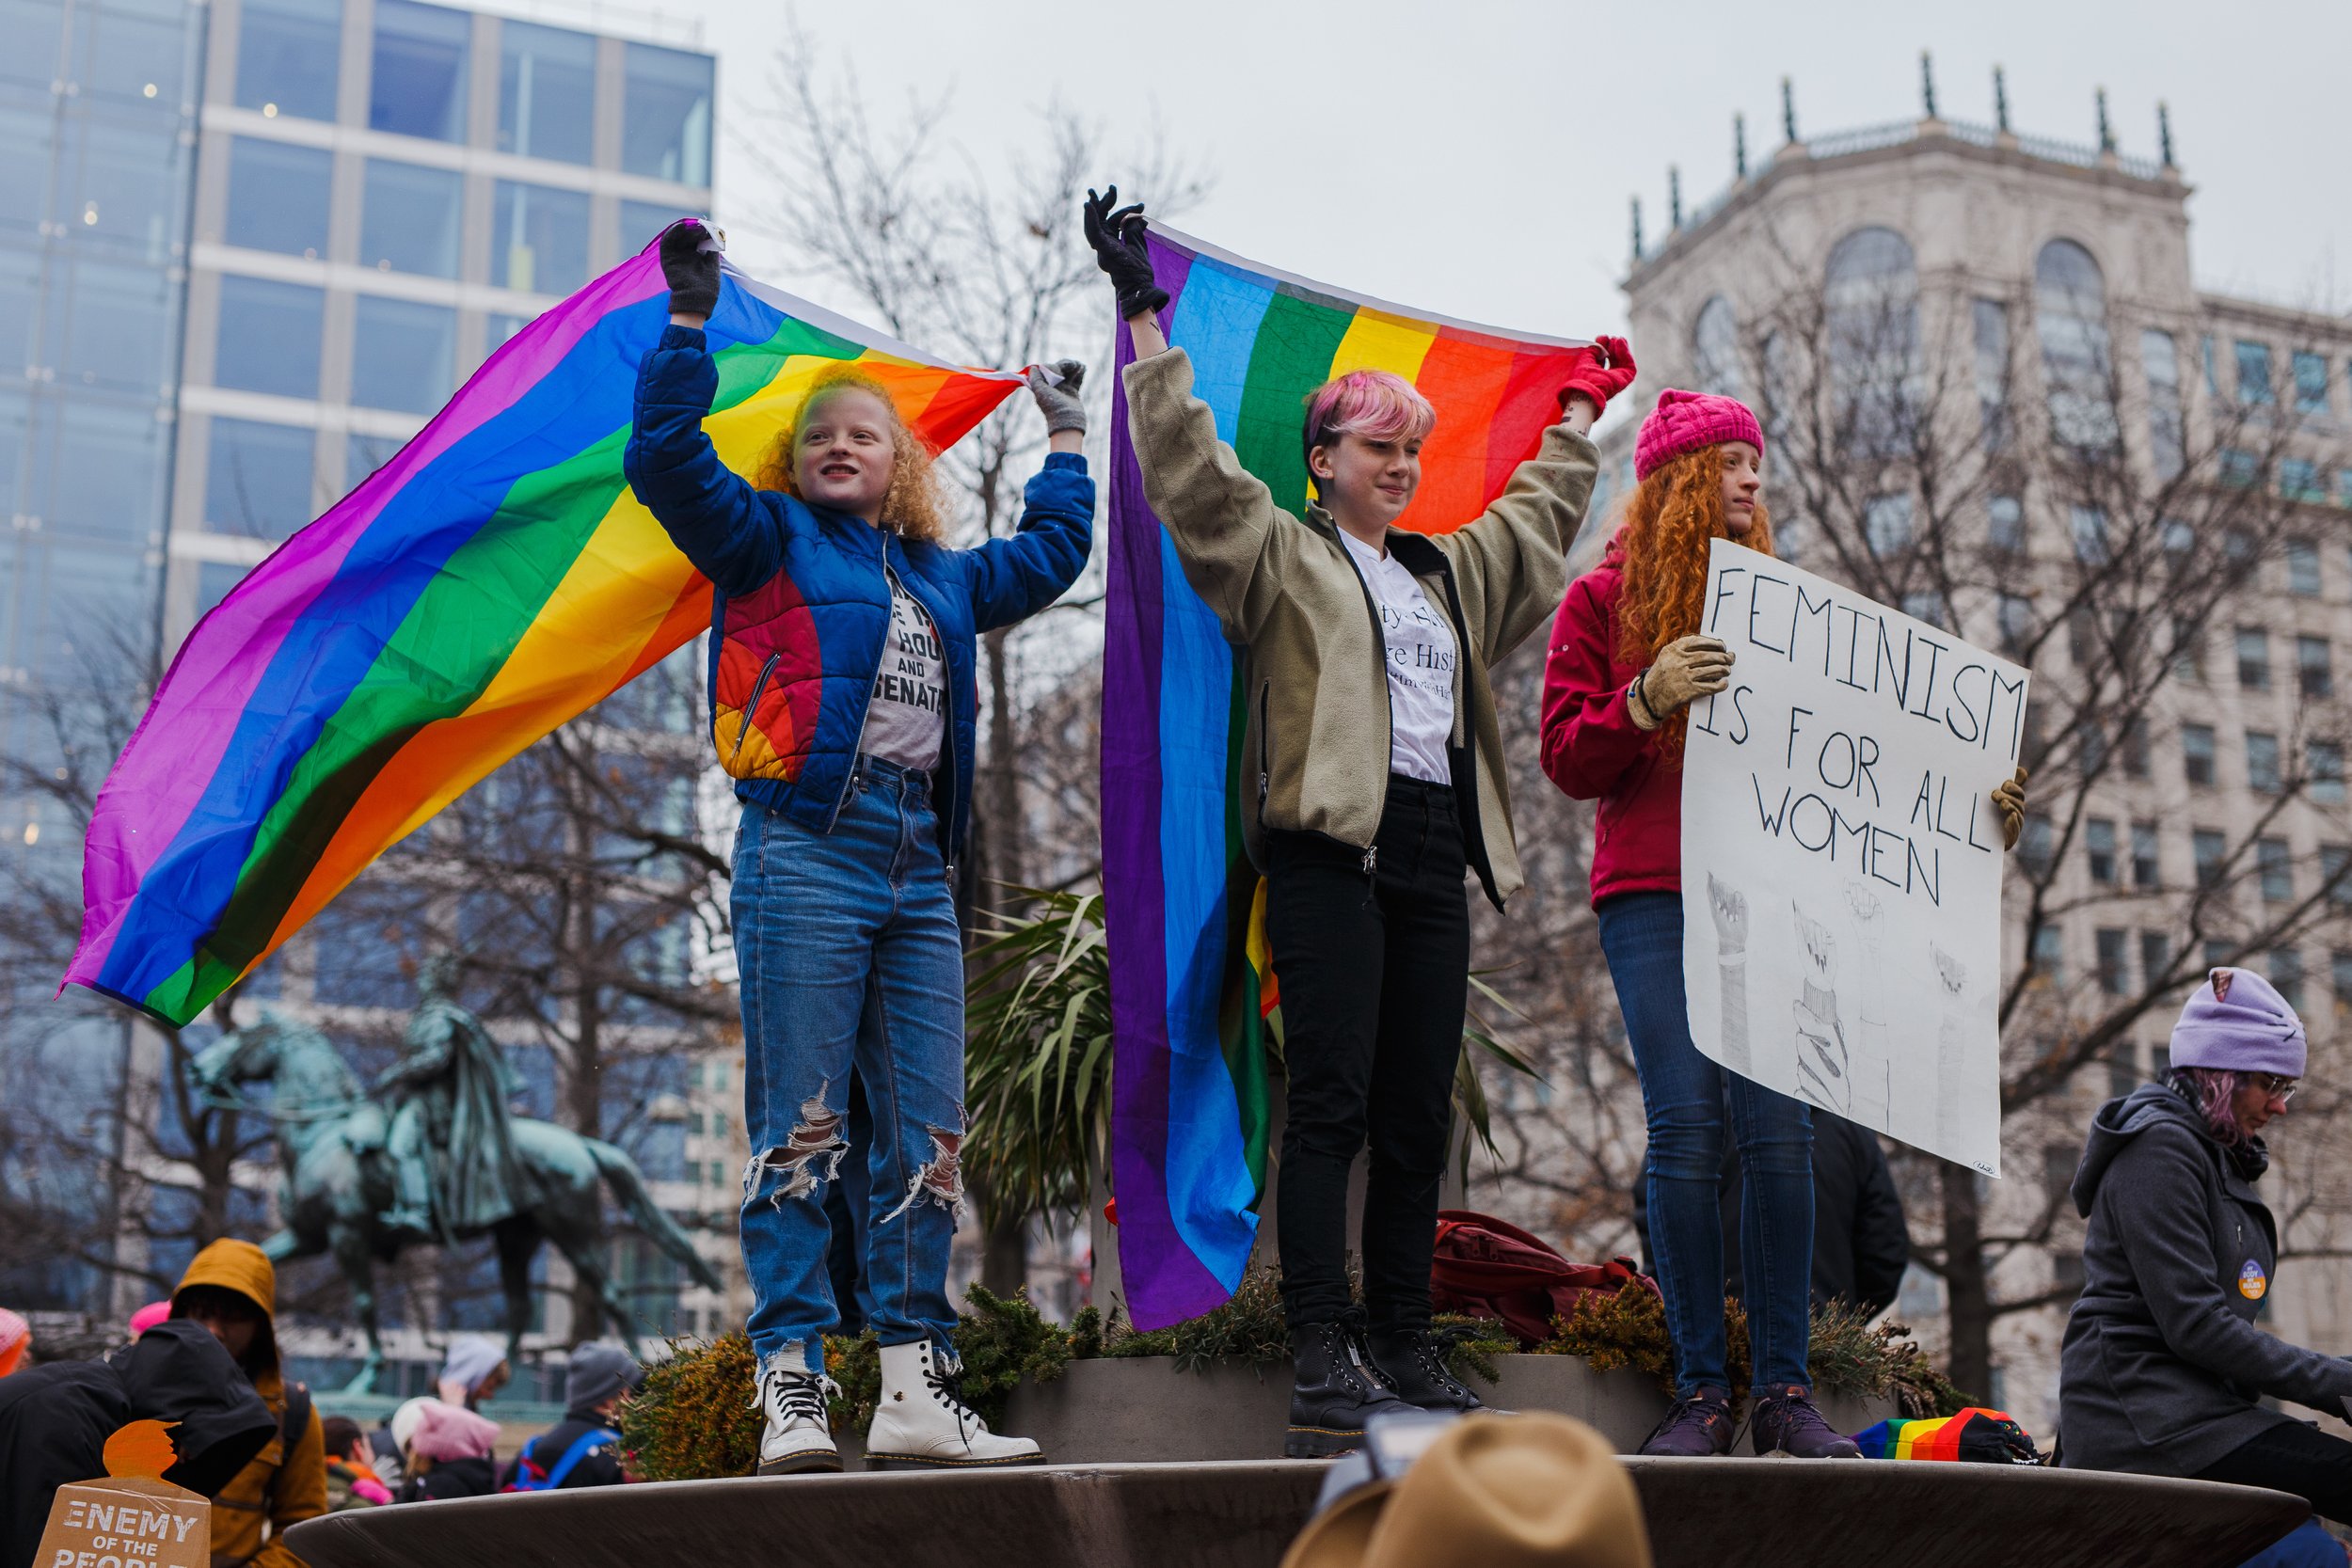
x=1870 y=296
x=1715 y=348
x=2071 y=315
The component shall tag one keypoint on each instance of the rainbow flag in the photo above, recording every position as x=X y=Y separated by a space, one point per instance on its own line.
x=494 y=579
x=1192 y=989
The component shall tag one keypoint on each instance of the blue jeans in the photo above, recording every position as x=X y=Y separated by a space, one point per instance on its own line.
x=850 y=956
x=1683 y=1097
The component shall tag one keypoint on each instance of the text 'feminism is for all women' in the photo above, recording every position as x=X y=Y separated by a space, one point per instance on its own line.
x=1907 y=672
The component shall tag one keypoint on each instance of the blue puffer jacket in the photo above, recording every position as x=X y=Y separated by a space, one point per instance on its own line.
x=801 y=604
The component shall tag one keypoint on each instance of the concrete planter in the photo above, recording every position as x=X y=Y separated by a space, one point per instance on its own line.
x=1143 y=1410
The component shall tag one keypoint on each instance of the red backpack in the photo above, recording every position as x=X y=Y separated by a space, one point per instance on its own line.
x=1489 y=1268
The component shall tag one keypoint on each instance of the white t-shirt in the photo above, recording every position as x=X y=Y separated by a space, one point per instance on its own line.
x=907 y=716
x=1421 y=666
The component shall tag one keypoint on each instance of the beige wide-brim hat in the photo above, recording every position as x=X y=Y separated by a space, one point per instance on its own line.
x=1529 y=1491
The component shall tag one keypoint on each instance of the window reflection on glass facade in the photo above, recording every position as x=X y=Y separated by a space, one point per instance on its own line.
x=403 y=355
x=213 y=581
x=363 y=456
x=643 y=221
x=257 y=478
x=2070 y=316
x=97 y=469
x=30 y=136
x=665 y=114
x=277 y=196
x=418 y=84
x=72 y=608
x=2253 y=375
x=502 y=327
x=123 y=193
x=546 y=92
x=287 y=54
x=36 y=35
x=117 y=327
x=19 y=309
x=129 y=58
x=1988 y=323
x=410 y=217
x=538 y=239
x=1715 y=348
x=269 y=336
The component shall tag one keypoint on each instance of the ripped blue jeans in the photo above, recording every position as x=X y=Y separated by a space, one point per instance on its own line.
x=848 y=953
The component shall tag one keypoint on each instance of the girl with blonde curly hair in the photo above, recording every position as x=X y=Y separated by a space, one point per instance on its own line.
x=1627 y=660
x=843 y=702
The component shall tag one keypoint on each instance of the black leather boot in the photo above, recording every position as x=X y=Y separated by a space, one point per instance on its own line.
x=1333 y=1394
x=1414 y=1369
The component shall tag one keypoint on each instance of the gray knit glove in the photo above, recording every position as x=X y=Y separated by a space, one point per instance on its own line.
x=1055 y=388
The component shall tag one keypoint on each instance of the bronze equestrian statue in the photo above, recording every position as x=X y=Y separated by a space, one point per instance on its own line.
x=338 y=1151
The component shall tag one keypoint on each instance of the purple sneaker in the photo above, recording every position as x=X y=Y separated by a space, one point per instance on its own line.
x=1787 y=1423
x=1699 y=1427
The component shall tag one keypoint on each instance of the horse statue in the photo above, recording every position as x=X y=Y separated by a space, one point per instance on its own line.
x=339 y=1182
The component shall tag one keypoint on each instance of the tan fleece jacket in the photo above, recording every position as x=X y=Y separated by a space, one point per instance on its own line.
x=1291 y=599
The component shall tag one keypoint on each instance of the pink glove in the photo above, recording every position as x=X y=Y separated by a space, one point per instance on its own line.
x=1602 y=373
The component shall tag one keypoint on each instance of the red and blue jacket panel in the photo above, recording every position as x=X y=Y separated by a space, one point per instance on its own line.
x=800 y=606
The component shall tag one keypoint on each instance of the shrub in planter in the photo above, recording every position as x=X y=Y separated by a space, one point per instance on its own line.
x=692 y=1420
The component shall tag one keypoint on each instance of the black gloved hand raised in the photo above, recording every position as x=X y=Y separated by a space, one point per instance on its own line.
x=1117 y=235
x=689 y=263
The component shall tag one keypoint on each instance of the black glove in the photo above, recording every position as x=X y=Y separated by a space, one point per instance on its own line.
x=1117 y=237
x=690 y=263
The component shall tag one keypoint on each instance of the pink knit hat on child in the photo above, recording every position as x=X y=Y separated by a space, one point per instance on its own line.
x=1685 y=421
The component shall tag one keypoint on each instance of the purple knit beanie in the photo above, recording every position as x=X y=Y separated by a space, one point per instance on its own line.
x=2238 y=1023
x=1685 y=421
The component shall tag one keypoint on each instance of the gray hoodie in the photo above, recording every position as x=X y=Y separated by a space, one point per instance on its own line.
x=2162 y=1364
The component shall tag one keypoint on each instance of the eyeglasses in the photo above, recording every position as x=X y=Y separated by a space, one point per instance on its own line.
x=2278 y=1088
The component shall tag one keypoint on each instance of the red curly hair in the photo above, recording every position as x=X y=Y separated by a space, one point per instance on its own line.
x=1668 y=520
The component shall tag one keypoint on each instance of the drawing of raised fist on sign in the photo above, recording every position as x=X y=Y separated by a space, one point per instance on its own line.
x=1873 y=1062
x=1824 y=1068
x=1729 y=907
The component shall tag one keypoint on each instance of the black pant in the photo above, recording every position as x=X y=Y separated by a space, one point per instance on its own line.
x=1373 y=959
x=2292 y=1457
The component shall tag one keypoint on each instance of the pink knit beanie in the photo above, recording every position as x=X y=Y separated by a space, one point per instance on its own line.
x=1685 y=421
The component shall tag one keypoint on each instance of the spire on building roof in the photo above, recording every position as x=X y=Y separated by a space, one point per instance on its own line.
x=2164 y=133
x=1637 y=227
x=1788 y=109
x=1740 y=146
x=1926 y=83
x=2001 y=99
x=1674 y=196
x=2106 y=131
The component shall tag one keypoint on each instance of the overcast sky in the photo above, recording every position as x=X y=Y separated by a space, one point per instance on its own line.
x=1476 y=158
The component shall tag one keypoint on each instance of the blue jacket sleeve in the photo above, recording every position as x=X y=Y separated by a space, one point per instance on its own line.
x=1014 y=578
x=716 y=519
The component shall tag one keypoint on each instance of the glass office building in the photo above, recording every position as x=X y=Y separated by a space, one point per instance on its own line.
x=385 y=192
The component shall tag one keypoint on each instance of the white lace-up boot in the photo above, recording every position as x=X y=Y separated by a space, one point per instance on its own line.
x=799 y=1437
x=922 y=1422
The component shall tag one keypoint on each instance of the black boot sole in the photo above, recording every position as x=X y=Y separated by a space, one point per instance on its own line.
x=1320 y=1442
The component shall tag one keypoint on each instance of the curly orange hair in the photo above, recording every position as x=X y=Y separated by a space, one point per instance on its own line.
x=1668 y=520
x=911 y=507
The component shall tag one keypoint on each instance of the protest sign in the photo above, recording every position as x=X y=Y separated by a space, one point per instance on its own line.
x=126 y=1522
x=1841 y=856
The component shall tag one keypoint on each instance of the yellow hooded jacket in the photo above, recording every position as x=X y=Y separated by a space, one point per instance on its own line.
x=276 y=1490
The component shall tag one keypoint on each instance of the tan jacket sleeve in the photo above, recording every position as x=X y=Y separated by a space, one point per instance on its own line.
x=298 y=1494
x=1228 y=532
x=1512 y=562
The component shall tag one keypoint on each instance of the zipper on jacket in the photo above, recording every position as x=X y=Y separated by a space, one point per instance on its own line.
x=759 y=688
x=1266 y=747
x=890 y=616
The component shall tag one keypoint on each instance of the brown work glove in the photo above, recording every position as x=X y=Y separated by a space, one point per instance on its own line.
x=2009 y=799
x=1686 y=668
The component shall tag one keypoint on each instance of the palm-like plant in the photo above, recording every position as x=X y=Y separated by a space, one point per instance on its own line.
x=1037 y=1059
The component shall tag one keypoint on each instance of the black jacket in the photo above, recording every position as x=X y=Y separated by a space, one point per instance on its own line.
x=1860 y=1242
x=451 y=1478
x=55 y=1421
x=2162 y=1364
x=545 y=1452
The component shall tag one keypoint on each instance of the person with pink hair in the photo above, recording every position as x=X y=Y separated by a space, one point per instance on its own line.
x=1375 y=767
x=2163 y=1371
